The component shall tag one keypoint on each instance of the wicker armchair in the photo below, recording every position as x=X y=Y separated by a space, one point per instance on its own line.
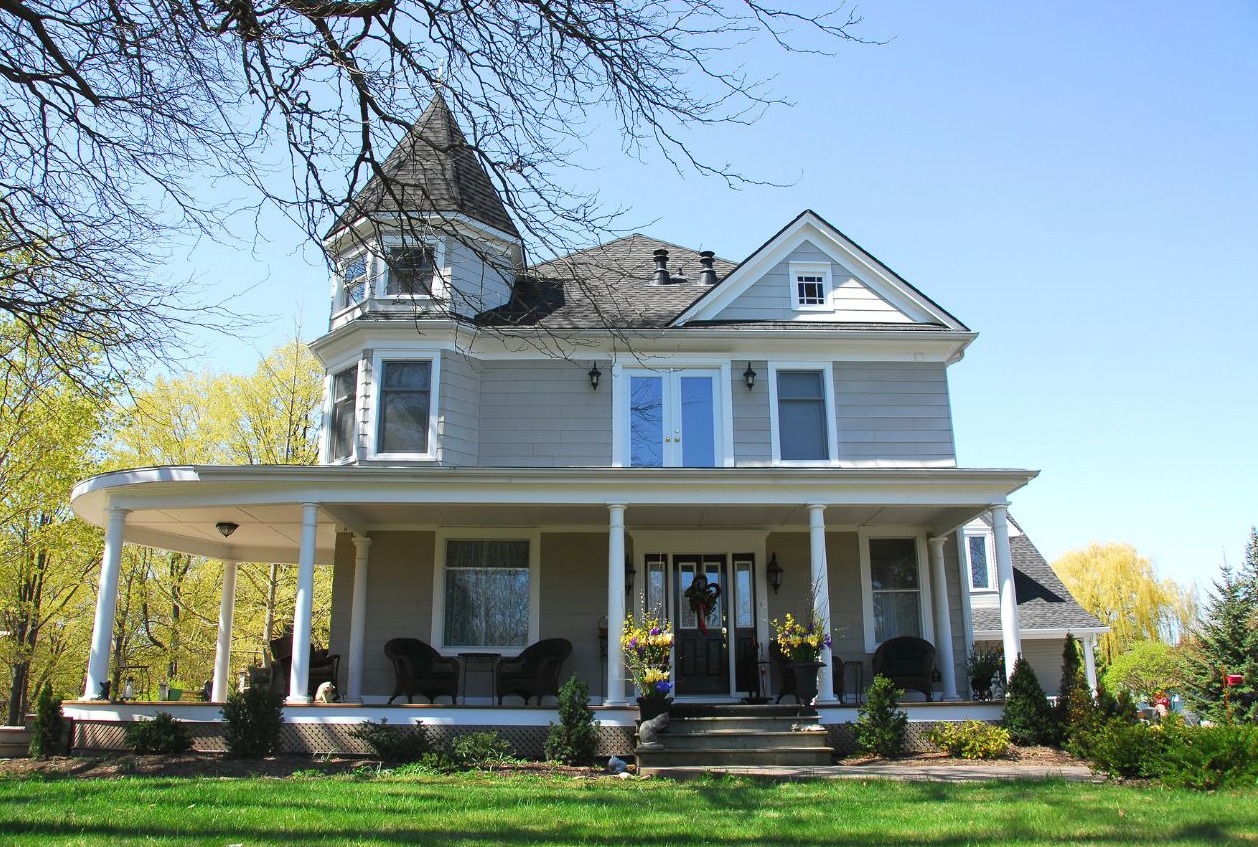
x=535 y=672
x=421 y=670
x=324 y=667
x=908 y=661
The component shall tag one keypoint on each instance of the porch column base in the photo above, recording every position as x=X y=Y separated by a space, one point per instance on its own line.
x=292 y=700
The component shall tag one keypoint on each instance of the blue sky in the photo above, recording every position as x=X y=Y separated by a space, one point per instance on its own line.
x=1078 y=182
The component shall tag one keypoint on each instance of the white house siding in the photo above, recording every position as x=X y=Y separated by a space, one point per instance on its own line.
x=892 y=413
x=542 y=413
x=458 y=409
x=399 y=600
x=770 y=297
x=1044 y=656
x=752 y=428
x=478 y=285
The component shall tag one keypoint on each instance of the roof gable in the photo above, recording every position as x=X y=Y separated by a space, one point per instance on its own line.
x=863 y=289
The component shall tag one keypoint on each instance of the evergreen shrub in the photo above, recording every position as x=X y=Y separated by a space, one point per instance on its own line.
x=50 y=724
x=1028 y=715
x=252 y=720
x=572 y=741
x=881 y=727
x=163 y=734
x=395 y=743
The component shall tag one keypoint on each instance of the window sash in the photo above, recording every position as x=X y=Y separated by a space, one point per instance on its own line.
x=410 y=272
x=895 y=586
x=344 y=395
x=405 y=403
x=803 y=428
x=355 y=280
x=980 y=567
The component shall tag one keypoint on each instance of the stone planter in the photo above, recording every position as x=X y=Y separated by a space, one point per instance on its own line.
x=15 y=742
x=806 y=686
x=650 y=707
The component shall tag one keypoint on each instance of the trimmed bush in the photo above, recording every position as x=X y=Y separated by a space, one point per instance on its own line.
x=573 y=739
x=1028 y=714
x=252 y=720
x=881 y=727
x=163 y=734
x=482 y=750
x=1123 y=749
x=394 y=743
x=1207 y=757
x=50 y=725
x=971 y=740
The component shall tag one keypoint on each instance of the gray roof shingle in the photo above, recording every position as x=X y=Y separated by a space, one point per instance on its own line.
x=1043 y=601
x=432 y=169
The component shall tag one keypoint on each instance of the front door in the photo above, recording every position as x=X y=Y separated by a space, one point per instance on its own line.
x=701 y=648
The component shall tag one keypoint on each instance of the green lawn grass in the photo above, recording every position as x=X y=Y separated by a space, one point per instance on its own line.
x=471 y=810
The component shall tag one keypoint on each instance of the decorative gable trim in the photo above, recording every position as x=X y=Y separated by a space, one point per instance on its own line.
x=812 y=228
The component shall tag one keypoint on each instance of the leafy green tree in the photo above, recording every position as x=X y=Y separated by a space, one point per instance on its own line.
x=1119 y=586
x=1226 y=642
x=49 y=433
x=1145 y=669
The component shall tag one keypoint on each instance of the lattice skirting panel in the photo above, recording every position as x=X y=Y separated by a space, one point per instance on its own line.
x=305 y=739
x=842 y=737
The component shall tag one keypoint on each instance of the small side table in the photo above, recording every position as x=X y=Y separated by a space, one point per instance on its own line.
x=487 y=662
x=858 y=677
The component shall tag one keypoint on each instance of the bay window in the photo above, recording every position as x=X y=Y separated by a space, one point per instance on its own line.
x=405 y=402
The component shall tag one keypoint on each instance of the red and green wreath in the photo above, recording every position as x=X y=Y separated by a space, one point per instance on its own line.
x=702 y=596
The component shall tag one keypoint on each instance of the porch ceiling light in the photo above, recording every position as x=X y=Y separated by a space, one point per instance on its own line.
x=750 y=376
x=774 y=572
x=595 y=375
x=227 y=528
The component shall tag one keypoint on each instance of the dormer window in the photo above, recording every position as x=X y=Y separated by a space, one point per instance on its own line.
x=354 y=280
x=810 y=285
x=410 y=271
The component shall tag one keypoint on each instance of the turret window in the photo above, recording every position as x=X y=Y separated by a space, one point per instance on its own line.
x=354 y=277
x=344 y=420
x=410 y=272
x=405 y=400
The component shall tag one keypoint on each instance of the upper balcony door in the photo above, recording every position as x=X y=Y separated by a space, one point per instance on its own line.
x=674 y=418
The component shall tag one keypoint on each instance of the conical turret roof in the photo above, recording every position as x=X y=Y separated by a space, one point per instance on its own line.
x=432 y=169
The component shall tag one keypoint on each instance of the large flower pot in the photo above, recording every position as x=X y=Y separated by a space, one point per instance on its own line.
x=806 y=687
x=653 y=706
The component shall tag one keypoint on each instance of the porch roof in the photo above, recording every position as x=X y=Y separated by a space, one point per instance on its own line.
x=176 y=508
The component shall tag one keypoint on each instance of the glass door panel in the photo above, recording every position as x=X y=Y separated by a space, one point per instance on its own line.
x=646 y=422
x=673 y=419
x=698 y=419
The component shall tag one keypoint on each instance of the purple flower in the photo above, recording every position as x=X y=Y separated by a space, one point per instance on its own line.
x=663 y=686
x=655 y=630
x=633 y=643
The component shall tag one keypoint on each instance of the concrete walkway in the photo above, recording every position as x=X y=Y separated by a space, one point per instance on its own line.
x=913 y=772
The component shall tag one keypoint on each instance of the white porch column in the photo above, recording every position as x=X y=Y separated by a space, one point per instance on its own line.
x=358 y=622
x=106 y=604
x=1089 y=661
x=1009 y=625
x=943 y=619
x=299 y=678
x=615 y=605
x=819 y=572
x=223 y=651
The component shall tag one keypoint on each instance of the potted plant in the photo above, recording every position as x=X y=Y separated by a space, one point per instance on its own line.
x=983 y=665
x=802 y=643
x=648 y=648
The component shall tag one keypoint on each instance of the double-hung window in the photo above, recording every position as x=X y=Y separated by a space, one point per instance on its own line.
x=895 y=587
x=410 y=271
x=404 y=407
x=354 y=280
x=487 y=593
x=803 y=415
x=344 y=414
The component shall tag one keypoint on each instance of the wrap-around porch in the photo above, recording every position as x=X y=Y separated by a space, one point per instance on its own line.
x=387 y=532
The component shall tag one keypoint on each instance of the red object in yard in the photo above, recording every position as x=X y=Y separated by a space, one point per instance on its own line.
x=1234 y=679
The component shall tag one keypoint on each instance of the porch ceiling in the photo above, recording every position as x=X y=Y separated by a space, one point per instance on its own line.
x=177 y=508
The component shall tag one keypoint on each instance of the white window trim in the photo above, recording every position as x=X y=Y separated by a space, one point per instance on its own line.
x=923 y=579
x=831 y=416
x=440 y=282
x=434 y=381
x=341 y=295
x=722 y=404
x=533 y=537
x=822 y=269
x=990 y=543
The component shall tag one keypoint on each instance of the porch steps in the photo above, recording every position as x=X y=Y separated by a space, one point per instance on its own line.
x=718 y=736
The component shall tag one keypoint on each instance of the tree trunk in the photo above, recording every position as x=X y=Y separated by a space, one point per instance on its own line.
x=268 y=621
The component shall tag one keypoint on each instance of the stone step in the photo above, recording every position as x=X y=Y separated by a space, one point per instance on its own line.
x=736 y=740
x=649 y=759
x=733 y=710
x=692 y=726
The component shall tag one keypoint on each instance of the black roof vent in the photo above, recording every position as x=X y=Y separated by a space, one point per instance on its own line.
x=707 y=276
x=661 y=277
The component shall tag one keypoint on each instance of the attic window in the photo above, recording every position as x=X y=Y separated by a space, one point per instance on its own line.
x=354 y=276
x=410 y=272
x=810 y=285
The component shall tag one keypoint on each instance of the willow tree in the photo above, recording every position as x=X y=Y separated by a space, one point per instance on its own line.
x=1119 y=586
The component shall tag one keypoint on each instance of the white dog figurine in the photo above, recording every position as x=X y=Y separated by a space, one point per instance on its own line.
x=327 y=693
